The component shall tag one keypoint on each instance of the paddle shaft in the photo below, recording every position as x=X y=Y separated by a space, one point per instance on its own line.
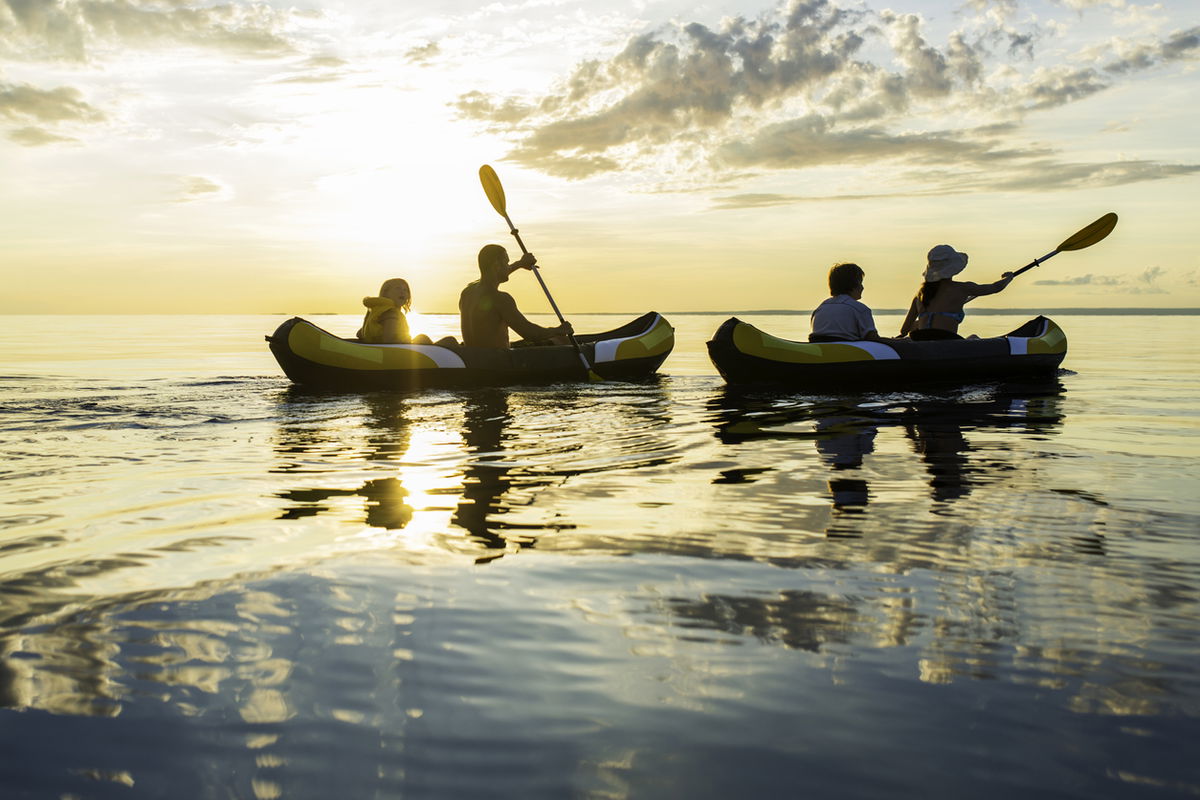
x=1035 y=262
x=570 y=336
x=516 y=235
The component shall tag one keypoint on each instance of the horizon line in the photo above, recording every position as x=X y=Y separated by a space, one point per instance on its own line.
x=1068 y=311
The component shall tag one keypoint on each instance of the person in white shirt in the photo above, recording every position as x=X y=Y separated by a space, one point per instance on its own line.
x=842 y=318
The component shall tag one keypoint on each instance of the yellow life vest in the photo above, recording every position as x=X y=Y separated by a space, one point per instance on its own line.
x=372 y=326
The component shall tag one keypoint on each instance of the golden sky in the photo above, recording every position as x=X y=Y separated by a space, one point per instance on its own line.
x=182 y=156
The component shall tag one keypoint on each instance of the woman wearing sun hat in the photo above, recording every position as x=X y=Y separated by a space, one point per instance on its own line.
x=937 y=309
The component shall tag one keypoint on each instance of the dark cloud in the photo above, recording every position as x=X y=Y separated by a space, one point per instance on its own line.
x=424 y=54
x=1017 y=175
x=767 y=199
x=1082 y=280
x=755 y=200
x=1051 y=175
x=855 y=84
x=86 y=30
x=71 y=29
x=1144 y=282
x=477 y=105
x=318 y=69
x=814 y=141
x=572 y=167
x=1179 y=46
x=1005 y=8
x=37 y=137
x=1052 y=88
x=693 y=83
x=63 y=104
x=929 y=72
x=197 y=187
x=1151 y=275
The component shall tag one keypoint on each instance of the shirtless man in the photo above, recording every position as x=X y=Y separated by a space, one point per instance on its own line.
x=487 y=313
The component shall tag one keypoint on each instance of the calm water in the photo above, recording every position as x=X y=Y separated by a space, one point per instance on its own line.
x=215 y=585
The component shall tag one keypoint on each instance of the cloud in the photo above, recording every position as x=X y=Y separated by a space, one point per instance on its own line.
x=74 y=30
x=813 y=141
x=1179 y=46
x=1144 y=282
x=92 y=31
x=318 y=69
x=1151 y=275
x=198 y=187
x=424 y=54
x=755 y=200
x=46 y=105
x=812 y=84
x=1052 y=87
x=575 y=167
x=1017 y=175
x=37 y=137
x=477 y=105
x=995 y=9
x=1082 y=280
x=1049 y=175
x=50 y=108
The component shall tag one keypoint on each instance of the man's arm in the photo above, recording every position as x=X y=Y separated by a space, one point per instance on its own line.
x=515 y=320
x=524 y=262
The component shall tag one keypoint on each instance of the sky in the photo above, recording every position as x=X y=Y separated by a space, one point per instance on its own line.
x=178 y=156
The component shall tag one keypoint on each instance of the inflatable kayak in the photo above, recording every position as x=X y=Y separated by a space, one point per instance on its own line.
x=743 y=354
x=314 y=357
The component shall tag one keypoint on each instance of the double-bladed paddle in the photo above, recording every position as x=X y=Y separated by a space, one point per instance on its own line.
x=1080 y=239
x=495 y=195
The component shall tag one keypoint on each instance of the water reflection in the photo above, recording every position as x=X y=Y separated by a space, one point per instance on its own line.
x=462 y=488
x=869 y=545
x=489 y=476
x=797 y=620
x=844 y=433
x=386 y=431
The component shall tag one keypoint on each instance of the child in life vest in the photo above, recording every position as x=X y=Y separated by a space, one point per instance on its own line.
x=385 y=322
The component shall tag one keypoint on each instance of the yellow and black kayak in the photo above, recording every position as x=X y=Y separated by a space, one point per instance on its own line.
x=314 y=357
x=743 y=354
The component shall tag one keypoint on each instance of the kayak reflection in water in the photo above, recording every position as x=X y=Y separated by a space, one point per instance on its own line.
x=936 y=427
x=843 y=444
x=485 y=479
x=493 y=485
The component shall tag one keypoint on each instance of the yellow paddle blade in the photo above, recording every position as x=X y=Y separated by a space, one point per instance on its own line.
x=1091 y=234
x=492 y=188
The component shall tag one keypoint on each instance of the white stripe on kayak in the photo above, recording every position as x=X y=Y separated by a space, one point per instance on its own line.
x=447 y=359
x=878 y=350
x=606 y=349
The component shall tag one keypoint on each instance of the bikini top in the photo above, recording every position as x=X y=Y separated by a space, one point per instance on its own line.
x=957 y=316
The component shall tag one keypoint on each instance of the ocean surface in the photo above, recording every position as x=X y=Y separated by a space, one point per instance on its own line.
x=216 y=585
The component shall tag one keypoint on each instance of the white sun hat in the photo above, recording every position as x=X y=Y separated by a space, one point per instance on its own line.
x=944 y=262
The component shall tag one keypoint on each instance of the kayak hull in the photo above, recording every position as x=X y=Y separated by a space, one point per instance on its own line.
x=746 y=355
x=313 y=357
